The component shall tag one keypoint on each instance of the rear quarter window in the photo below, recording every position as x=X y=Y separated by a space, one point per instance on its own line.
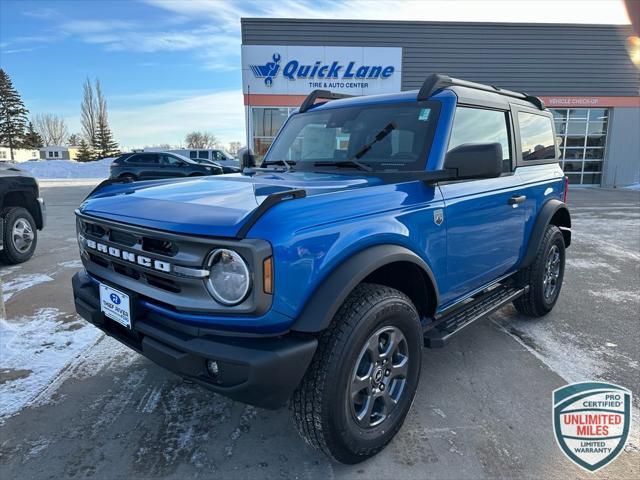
x=536 y=137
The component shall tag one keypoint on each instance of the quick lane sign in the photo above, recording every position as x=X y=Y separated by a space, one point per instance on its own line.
x=289 y=70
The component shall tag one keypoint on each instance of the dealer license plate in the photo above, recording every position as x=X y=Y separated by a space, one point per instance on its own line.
x=115 y=305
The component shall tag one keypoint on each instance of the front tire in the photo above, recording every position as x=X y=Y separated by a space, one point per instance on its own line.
x=20 y=235
x=363 y=378
x=544 y=276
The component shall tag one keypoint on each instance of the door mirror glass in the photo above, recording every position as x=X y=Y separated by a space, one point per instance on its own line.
x=475 y=160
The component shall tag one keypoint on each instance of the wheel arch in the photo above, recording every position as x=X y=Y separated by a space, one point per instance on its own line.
x=390 y=265
x=26 y=200
x=553 y=212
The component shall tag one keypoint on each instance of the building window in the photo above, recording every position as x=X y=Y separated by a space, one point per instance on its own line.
x=56 y=154
x=266 y=122
x=3 y=155
x=582 y=134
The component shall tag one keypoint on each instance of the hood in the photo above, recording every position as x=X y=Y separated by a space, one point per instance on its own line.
x=212 y=206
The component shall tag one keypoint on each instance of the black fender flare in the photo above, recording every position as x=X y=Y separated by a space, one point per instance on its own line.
x=322 y=306
x=548 y=210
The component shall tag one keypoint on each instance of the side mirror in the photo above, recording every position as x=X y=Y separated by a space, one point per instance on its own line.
x=475 y=160
x=247 y=160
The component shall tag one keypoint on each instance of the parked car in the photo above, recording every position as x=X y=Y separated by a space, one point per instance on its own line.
x=225 y=168
x=22 y=214
x=214 y=154
x=152 y=166
x=375 y=226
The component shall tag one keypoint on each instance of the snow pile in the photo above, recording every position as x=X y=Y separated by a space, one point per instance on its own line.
x=68 y=168
x=634 y=186
x=35 y=350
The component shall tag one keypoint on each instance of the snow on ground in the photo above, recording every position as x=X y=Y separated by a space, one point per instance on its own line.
x=34 y=351
x=634 y=186
x=22 y=282
x=43 y=169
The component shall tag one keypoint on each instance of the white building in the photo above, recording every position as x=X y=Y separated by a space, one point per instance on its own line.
x=19 y=154
x=54 y=152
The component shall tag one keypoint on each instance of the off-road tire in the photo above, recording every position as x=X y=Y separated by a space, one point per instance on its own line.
x=320 y=407
x=10 y=254
x=534 y=303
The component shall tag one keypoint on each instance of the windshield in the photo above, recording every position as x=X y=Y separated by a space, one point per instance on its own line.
x=382 y=137
x=183 y=158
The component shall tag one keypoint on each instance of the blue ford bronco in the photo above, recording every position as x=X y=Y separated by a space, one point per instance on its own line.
x=373 y=227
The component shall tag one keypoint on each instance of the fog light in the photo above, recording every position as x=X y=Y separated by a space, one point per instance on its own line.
x=212 y=368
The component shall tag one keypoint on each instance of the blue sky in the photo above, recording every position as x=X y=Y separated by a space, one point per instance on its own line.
x=168 y=67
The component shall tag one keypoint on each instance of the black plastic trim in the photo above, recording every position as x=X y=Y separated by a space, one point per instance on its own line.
x=107 y=182
x=329 y=296
x=435 y=82
x=266 y=204
x=545 y=215
x=320 y=95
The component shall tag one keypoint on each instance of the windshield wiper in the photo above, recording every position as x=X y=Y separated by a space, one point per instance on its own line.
x=353 y=160
x=344 y=163
x=379 y=136
x=288 y=165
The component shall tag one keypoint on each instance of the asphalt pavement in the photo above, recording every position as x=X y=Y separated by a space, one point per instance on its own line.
x=84 y=406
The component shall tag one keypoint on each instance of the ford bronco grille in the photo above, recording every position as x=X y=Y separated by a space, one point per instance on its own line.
x=168 y=268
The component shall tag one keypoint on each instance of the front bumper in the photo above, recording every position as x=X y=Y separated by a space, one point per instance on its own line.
x=262 y=371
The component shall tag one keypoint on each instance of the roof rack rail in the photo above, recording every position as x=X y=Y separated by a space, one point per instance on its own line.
x=320 y=95
x=435 y=82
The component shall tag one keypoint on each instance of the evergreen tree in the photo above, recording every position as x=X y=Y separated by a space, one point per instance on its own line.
x=106 y=146
x=13 y=114
x=74 y=140
x=32 y=139
x=85 y=152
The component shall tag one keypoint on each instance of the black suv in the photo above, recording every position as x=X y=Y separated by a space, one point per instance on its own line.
x=22 y=214
x=155 y=165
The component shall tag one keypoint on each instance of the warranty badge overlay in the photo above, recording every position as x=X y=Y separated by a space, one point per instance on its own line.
x=591 y=421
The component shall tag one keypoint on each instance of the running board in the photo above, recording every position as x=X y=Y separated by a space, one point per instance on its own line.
x=443 y=328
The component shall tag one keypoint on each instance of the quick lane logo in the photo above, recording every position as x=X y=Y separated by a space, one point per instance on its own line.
x=295 y=70
x=129 y=256
x=591 y=422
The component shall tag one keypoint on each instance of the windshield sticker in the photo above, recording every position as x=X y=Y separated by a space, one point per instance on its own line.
x=424 y=114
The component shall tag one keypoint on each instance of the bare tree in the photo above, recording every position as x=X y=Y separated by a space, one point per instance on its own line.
x=89 y=113
x=200 y=140
x=233 y=148
x=52 y=128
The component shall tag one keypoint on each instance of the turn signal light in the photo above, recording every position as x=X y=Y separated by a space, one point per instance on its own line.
x=267 y=275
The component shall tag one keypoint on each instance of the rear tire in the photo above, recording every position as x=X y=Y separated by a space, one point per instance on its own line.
x=20 y=235
x=544 y=276
x=363 y=378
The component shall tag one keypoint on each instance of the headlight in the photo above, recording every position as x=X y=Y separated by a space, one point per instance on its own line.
x=229 y=280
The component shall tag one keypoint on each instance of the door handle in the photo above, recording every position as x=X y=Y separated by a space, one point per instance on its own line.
x=517 y=199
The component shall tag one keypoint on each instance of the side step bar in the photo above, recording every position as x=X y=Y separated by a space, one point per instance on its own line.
x=443 y=328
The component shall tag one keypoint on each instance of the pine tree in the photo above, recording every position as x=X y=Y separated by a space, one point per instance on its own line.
x=106 y=146
x=13 y=114
x=32 y=139
x=85 y=152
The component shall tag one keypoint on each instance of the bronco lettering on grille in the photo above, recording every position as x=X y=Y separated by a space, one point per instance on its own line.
x=129 y=256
